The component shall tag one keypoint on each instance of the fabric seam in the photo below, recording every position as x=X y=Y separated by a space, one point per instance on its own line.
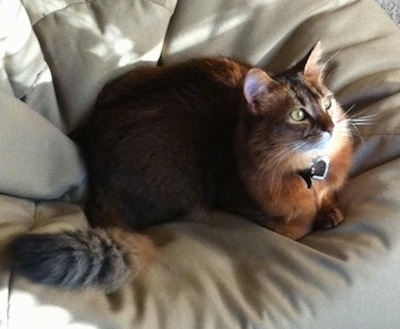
x=88 y=2
x=56 y=11
x=34 y=83
x=162 y=6
x=9 y=286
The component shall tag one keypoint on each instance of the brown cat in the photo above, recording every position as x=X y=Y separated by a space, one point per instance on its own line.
x=171 y=143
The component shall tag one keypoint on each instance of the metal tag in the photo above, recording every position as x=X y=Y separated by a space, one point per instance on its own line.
x=320 y=168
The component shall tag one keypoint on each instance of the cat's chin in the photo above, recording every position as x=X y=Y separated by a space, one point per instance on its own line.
x=312 y=156
x=320 y=149
x=323 y=143
x=304 y=161
x=327 y=145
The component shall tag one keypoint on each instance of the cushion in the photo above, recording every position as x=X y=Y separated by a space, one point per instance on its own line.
x=224 y=272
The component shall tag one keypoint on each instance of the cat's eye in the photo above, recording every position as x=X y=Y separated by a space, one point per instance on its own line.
x=327 y=103
x=298 y=115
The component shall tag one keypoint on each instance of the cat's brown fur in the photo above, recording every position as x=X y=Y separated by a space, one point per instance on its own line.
x=293 y=209
x=171 y=143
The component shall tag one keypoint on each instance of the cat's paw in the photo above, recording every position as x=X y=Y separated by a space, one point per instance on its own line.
x=328 y=218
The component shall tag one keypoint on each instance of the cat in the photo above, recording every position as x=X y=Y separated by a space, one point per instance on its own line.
x=172 y=143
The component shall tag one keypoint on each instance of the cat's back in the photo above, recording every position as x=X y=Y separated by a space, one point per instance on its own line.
x=216 y=74
x=193 y=103
x=159 y=137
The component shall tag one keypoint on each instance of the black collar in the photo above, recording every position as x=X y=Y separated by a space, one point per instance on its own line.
x=318 y=170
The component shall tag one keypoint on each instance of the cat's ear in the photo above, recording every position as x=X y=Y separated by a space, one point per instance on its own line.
x=314 y=68
x=311 y=65
x=256 y=84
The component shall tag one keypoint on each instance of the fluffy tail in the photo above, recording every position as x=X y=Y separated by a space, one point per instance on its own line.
x=100 y=258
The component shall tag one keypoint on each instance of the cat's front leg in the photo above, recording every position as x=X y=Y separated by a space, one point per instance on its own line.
x=293 y=228
x=330 y=215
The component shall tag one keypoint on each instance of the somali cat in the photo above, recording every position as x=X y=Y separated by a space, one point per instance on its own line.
x=170 y=143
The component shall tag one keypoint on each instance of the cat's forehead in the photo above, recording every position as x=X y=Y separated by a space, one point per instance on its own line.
x=303 y=90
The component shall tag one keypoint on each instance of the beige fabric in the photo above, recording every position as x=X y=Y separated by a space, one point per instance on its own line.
x=276 y=34
x=88 y=42
x=225 y=272
x=38 y=160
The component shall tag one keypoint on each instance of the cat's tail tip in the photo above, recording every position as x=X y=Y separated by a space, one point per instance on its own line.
x=71 y=260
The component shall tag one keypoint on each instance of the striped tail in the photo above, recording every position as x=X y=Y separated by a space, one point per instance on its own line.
x=99 y=258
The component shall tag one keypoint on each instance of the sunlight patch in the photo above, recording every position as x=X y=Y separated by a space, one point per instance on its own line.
x=27 y=312
x=209 y=28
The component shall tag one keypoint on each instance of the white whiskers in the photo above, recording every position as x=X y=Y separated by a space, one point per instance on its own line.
x=283 y=156
x=359 y=119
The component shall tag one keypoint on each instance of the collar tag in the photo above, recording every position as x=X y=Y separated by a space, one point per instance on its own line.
x=318 y=170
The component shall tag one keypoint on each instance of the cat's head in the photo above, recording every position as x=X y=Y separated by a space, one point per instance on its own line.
x=293 y=117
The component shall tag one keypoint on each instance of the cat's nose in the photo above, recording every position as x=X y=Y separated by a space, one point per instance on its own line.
x=328 y=129
x=327 y=125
